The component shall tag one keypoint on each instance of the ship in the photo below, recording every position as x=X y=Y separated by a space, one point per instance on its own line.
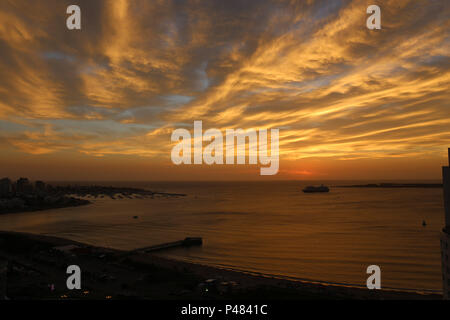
x=313 y=189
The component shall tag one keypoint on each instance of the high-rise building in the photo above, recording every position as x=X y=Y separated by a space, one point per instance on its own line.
x=5 y=187
x=24 y=186
x=40 y=188
x=3 y=278
x=445 y=236
x=39 y=185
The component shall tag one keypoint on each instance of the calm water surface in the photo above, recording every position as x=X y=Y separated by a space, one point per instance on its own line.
x=271 y=228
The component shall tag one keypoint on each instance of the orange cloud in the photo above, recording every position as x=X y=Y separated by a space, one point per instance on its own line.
x=336 y=90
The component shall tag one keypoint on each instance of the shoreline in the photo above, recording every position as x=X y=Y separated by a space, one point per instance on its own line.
x=117 y=274
x=310 y=281
x=69 y=196
x=73 y=202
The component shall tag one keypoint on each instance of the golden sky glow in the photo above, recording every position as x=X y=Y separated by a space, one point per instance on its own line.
x=101 y=103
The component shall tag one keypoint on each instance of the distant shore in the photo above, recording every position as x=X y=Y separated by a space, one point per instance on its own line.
x=36 y=269
x=69 y=196
x=393 y=185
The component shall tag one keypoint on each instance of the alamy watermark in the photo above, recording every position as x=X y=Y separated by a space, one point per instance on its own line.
x=73 y=22
x=374 y=280
x=74 y=280
x=374 y=20
x=235 y=147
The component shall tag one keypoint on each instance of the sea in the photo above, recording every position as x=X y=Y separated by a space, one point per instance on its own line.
x=270 y=228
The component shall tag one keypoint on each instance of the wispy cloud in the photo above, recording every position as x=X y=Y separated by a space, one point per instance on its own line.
x=336 y=89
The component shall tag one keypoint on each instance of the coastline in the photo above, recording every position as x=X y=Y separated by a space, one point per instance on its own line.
x=37 y=261
x=45 y=197
x=67 y=203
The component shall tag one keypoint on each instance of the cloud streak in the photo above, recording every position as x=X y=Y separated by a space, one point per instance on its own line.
x=138 y=69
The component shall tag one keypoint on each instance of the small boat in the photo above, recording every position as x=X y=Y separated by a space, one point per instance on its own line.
x=313 y=189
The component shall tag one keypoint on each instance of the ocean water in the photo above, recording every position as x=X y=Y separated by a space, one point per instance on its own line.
x=271 y=228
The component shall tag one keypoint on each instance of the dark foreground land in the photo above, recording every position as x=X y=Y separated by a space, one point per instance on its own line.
x=31 y=264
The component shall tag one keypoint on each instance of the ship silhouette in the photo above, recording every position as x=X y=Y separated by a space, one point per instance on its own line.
x=313 y=189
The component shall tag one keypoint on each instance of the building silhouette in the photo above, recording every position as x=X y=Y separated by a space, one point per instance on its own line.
x=5 y=187
x=23 y=186
x=39 y=185
x=445 y=236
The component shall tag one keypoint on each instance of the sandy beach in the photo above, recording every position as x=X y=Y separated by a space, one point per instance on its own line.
x=35 y=268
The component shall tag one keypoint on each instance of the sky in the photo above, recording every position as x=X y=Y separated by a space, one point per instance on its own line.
x=101 y=103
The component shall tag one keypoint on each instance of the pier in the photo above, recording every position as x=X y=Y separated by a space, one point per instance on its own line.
x=188 y=242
